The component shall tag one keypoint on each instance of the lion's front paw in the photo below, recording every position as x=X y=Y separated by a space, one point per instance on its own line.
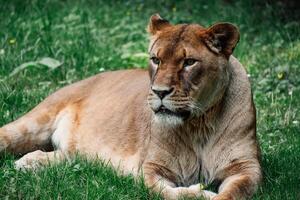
x=209 y=195
x=203 y=193
x=223 y=197
x=31 y=161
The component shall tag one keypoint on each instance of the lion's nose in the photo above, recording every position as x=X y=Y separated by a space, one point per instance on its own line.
x=161 y=93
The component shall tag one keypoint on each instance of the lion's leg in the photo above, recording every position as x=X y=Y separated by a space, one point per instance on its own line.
x=169 y=190
x=241 y=183
x=39 y=158
x=40 y=128
x=33 y=130
x=236 y=187
x=28 y=133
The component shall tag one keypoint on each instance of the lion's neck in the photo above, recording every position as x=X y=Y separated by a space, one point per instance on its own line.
x=202 y=127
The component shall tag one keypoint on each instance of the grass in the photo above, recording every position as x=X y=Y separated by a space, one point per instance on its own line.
x=88 y=37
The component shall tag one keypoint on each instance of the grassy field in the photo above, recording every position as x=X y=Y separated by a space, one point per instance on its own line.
x=88 y=37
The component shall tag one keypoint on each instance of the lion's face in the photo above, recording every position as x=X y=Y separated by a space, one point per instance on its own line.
x=188 y=68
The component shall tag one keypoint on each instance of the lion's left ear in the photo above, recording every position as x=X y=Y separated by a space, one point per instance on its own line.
x=222 y=38
x=157 y=23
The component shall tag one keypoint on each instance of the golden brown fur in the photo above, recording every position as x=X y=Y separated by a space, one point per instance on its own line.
x=193 y=117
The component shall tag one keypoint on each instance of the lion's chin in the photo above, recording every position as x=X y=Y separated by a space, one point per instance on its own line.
x=166 y=117
x=167 y=120
x=170 y=119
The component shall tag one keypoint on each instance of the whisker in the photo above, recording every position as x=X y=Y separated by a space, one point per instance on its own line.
x=180 y=100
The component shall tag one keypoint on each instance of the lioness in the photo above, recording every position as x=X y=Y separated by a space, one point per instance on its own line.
x=194 y=117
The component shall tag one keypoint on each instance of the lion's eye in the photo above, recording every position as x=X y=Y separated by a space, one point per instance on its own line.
x=189 y=62
x=155 y=60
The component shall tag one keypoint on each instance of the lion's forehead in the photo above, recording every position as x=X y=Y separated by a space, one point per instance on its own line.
x=178 y=42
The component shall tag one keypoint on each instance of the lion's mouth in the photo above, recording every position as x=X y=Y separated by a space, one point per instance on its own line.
x=165 y=111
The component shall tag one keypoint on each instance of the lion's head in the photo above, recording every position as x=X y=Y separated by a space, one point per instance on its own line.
x=188 y=67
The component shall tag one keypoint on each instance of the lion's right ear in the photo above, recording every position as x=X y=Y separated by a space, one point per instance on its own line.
x=157 y=24
x=222 y=38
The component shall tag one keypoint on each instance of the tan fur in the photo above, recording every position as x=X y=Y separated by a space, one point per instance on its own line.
x=204 y=126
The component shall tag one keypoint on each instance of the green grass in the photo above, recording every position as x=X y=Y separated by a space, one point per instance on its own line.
x=93 y=36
